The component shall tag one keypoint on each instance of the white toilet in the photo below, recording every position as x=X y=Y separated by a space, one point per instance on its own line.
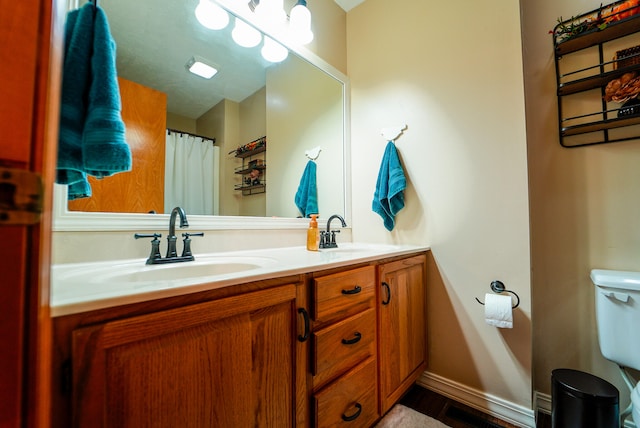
x=618 y=317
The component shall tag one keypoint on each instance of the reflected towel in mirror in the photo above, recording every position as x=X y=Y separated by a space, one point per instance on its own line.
x=307 y=195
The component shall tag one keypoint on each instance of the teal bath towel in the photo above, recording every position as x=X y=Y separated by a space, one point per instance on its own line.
x=307 y=195
x=388 y=198
x=92 y=133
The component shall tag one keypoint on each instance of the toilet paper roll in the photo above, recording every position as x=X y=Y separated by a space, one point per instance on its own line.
x=498 y=311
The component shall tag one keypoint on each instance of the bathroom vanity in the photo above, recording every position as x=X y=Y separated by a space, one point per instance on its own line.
x=333 y=338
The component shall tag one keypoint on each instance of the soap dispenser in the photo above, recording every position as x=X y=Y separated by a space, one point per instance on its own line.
x=313 y=234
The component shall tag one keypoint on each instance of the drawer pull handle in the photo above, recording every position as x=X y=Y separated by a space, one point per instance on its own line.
x=356 y=339
x=355 y=415
x=305 y=316
x=355 y=290
x=388 y=299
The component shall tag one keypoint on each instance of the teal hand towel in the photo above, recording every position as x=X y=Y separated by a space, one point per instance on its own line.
x=91 y=138
x=105 y=149
x=388 y=198
x=307 y=195
x=73 y=98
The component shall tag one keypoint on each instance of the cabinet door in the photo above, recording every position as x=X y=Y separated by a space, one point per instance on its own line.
x=224 y=363
x=402 y=327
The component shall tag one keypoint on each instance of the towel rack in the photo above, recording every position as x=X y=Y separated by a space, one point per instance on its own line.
x=498 y=287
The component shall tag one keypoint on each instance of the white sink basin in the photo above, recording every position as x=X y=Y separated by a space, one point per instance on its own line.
x=137 y=272
x=182 y=270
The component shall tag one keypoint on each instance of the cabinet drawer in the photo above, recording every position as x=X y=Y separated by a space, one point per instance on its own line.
x=351 y=401
x=343 y=344
x=344 y=292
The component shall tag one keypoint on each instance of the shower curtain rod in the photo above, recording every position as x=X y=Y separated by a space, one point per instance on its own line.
x=177 y=131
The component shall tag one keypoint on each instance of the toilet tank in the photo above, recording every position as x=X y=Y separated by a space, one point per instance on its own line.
x=617 y=299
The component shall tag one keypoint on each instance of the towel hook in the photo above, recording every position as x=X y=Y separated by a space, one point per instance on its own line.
x=313 y=153
x=392 y=133
x=498 y=287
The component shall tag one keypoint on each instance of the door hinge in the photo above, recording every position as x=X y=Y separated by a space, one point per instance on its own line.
x=20 y=196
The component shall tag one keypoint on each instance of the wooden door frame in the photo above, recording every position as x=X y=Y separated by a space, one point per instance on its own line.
x=31 y=56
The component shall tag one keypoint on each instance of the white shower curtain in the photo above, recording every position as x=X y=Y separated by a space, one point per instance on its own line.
x=191 y=178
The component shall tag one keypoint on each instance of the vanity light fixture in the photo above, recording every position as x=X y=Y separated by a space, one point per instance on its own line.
x=269 y=13
x=211 y=16
x=199 y=66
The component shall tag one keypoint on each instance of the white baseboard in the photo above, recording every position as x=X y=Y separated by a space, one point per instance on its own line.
x=542 y=402
x=491 y=405
x=494 y=406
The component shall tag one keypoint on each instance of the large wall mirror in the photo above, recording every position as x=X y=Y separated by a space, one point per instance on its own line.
x=299 y=104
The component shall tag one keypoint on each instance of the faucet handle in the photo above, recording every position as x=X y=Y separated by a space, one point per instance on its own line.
x=324 y=239
x=333 y=237
x=147 y=235
x=155 y=245
x=186 y=247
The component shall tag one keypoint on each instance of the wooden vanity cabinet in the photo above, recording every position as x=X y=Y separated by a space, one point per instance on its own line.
x=402 y=354
x=229 y=362
x=321 y=349
x=344 y=345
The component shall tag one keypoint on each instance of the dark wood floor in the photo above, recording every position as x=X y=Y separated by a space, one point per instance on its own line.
x=457 y=415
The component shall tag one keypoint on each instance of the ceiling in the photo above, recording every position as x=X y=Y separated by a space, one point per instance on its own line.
x=347 y=5
x=156 y=38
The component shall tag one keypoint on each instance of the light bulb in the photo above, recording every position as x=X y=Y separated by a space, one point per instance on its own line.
x=211 y=15
x=300 y=23
x=245 y=35
x=273 y=51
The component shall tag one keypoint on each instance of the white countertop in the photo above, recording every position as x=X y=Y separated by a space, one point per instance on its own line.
x=81 y=287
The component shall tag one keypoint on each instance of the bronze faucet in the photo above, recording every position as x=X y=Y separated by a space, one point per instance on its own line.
x=172 y=255
x=328 y=237
x=171 y=239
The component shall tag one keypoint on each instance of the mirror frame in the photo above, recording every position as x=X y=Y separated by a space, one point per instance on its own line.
x=65 y=220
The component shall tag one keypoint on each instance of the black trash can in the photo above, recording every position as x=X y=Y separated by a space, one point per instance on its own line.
x=582 y=400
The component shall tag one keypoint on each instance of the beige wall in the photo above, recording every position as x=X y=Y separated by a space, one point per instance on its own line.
x=222 y=121
x=453 y=73
x=584 y=213
x=182 y=123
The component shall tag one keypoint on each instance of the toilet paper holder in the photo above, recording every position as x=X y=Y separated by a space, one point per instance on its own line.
x=498 y=287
